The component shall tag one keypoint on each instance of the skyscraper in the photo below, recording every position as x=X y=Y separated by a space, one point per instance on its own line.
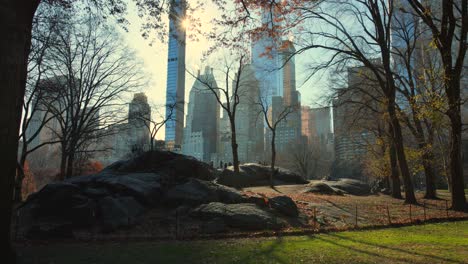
x=201 y=130
x=249 y=125
x=354 y=125
x=266 y=61
x=175 y=87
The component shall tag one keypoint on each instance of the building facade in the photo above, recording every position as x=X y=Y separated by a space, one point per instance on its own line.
x=202 y=121
x=354 y=125
x=249 y=122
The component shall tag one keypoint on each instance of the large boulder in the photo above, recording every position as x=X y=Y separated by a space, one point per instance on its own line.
x=351 y=186
x=322 y=188
x=195 y=192
x=253 y=174
x=118 y=212
x=120 y=194
x=145 y=192
x=284 y=205
x=63 y=201
x=243 y=216
x=172 y=167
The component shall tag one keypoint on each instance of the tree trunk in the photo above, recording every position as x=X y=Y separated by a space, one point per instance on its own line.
x=400 y=153
x=396 y=184
x=431 y=192
x=425 y=146
x=70 y=164
x=273 y=157
x=19 y=180
x=63 y=163
x=456 y=166
x=235 y=156
x=16 y=22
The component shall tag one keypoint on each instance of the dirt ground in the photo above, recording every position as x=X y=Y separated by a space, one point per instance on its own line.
x=335 y=211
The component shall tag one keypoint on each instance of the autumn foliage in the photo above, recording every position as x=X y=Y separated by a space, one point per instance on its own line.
x=90 y=167
x=29 y=182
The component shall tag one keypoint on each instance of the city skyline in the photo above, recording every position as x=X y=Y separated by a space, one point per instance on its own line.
x=154 y=60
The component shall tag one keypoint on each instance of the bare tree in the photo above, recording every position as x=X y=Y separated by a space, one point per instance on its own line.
x=310 y=159
x=368 y=37
x=448 y=24
x=91 y=73
x=418 y=75
x=228 y=97
x=274 y=116
x=14 y=49
x=359 y=106
x=35 y=114
x=154 y=124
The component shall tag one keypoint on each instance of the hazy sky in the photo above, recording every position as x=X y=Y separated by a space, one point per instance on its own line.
x=154 y=59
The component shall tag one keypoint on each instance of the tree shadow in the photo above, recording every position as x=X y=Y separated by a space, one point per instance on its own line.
x=276 y=189
x=336 y=205
x=267 y=252
x=436 y=259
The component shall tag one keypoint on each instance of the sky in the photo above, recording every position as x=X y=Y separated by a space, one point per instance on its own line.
x=154 y=60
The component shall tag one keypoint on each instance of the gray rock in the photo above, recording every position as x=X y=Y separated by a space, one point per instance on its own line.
x=96 y=193
x=216 y=225
x=119 y=212
x=144 y=191
x=56 y=199
x=172 y=167
x=252 y=174
x=351 y=186
x=322 y=188
x=284 y=205
x=244 y=216
x=195 y=192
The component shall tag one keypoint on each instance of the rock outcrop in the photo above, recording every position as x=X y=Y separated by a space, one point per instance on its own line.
x=351 y=186
x=243 y=216
x=252 y=174
x=120 y=195
x=322 y=188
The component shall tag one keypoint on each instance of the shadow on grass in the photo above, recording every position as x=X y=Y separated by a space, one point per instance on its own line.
x=267 y=253
x=436 y=259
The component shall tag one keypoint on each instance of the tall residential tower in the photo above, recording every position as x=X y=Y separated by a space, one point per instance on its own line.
x=175 y=88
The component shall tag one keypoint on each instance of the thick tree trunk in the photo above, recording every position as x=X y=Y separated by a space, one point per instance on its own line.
x=400 y=153
x=17 y=198
x=70 y=164
x=235 y=156
x=63 y=163
x=431 y=192
x=19 y=180
x=273 y=157
x=396 y=184
x=456 y=166
x=16 y=21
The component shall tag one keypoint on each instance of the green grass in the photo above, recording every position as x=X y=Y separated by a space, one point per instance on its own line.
x=431 y=243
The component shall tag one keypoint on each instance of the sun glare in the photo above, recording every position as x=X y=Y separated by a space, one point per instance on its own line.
x=185 y=23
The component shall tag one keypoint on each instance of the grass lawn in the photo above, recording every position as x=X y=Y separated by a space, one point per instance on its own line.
x=431 y=243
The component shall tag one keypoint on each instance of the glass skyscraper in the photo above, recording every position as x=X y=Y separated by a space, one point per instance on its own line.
x=175 y=87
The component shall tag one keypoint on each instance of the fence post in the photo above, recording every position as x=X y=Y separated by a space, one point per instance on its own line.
x=356 y=220
x=410 y=216
x=177 y=224
x=388 y=216
x=17 y=223
x=424 y=207
x=446 y=208
x=315 y=217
